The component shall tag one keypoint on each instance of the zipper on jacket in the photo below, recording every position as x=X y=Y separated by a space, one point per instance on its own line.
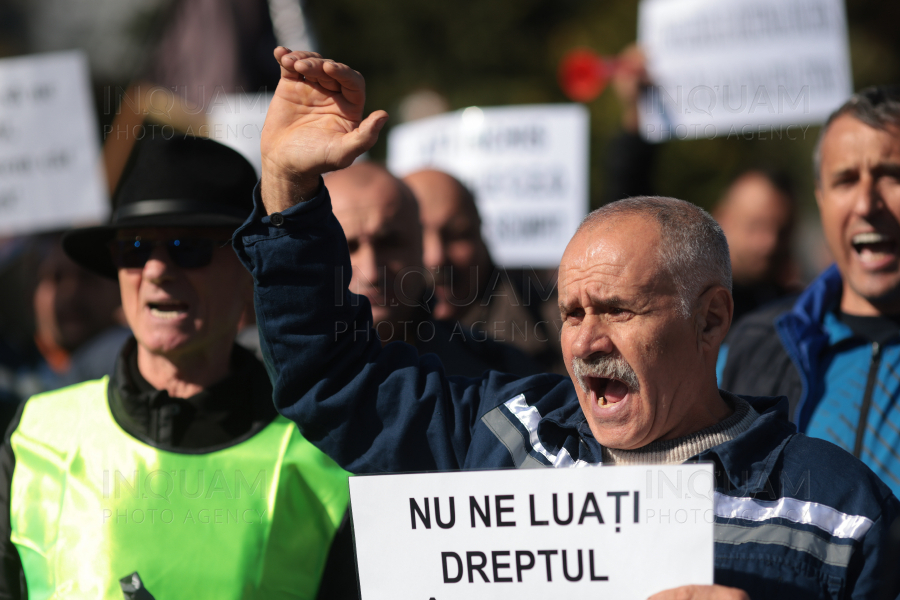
x=867 y=400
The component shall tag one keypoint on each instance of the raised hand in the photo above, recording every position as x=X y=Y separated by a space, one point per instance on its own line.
x=314 y=125
x=629 y=79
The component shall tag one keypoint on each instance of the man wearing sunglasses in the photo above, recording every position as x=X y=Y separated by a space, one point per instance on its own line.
x=175 y=475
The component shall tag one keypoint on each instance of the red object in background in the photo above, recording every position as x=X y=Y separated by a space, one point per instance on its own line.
x=583 y=74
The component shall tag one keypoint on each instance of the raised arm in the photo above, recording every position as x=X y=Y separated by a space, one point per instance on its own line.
x=314 y=125
x=371 y=409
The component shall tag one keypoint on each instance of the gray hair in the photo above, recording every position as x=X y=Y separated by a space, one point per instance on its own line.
x=878 y=107
x=693 y=248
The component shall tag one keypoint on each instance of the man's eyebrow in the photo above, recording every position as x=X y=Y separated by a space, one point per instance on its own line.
x=607 y=302
x=566 y=306
x=388 y=230
x=842 y=174
x=890 y=169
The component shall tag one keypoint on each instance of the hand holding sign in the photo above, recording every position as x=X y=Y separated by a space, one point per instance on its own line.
x=532 y=534
x=314 y=125
x=701 y=592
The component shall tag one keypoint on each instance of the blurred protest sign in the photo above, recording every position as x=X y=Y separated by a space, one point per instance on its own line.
x=51 y=176
x=617 y=532
x=236 y=120
x=147 y=110
x=742 y=66
x=527 y=166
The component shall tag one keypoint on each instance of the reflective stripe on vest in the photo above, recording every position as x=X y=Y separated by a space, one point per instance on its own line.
x=90 y=504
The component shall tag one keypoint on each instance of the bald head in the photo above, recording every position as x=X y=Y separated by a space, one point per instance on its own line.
x=368 y=187
x=452 y=244
x=380 y=219
x=436 y=189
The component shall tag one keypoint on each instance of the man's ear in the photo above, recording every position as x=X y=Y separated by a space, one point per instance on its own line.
x=715 y=310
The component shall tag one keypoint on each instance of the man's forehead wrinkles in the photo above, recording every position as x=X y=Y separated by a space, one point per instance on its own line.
x=612 y=290
x=855 y=141
x=579 y=272
x=607 y=274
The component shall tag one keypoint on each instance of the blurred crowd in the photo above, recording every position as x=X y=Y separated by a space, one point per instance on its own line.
x=472 y=313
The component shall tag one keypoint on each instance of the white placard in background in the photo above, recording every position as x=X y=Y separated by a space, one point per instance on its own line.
x=51 y=174
x=527 y=166
x=236 y=120
x=742 y=67
x=630 y=532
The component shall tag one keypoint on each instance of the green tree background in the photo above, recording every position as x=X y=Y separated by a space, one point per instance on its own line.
x=494 y=52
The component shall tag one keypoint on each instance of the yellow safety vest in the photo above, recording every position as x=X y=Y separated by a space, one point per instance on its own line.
x=90 y=504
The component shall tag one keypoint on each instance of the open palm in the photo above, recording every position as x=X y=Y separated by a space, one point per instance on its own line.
x=314 y=123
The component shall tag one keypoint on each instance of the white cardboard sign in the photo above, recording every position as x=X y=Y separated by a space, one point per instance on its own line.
x=527 y=166
x=610 y=532
x=741 y=68
x=51 y=174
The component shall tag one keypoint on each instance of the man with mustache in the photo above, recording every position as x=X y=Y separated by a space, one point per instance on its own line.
x=835 y=350
x=643 y=283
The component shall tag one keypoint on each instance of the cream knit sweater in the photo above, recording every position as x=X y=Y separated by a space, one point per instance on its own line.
x=671 y=452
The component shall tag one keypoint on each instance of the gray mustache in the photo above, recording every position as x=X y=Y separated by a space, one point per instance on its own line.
x=609 y=367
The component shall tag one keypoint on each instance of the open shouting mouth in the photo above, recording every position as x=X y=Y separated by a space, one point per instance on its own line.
x=607 y=380
x=168 y=310
x=606 y=392
x=874 y=249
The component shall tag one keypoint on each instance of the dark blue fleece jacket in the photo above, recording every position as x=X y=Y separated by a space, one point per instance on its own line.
x=795 y=517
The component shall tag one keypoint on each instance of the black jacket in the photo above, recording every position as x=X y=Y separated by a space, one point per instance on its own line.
x=757 y=363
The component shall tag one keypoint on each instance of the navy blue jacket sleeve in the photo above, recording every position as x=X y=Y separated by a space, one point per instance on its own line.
x=371 y=409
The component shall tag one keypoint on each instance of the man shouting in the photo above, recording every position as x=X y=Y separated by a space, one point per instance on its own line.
x=645 y=301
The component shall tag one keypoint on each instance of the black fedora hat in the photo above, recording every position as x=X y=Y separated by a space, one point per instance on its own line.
x=182 y=181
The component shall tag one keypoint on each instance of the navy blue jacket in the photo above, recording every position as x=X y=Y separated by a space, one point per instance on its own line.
x=795 y=517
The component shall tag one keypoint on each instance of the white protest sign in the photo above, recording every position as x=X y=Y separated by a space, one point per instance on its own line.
x=236 y=120
x=51 y=174
x=611 y=532
x=742 y=67
x=527 y=166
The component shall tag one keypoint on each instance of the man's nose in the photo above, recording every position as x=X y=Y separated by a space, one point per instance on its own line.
x=159 y=266
x=868 y=199
x=366 y=269
x=765 y=240
x=433 y=254
x=591 y=338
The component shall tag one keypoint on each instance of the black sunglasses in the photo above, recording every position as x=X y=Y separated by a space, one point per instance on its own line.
x=187 y=253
